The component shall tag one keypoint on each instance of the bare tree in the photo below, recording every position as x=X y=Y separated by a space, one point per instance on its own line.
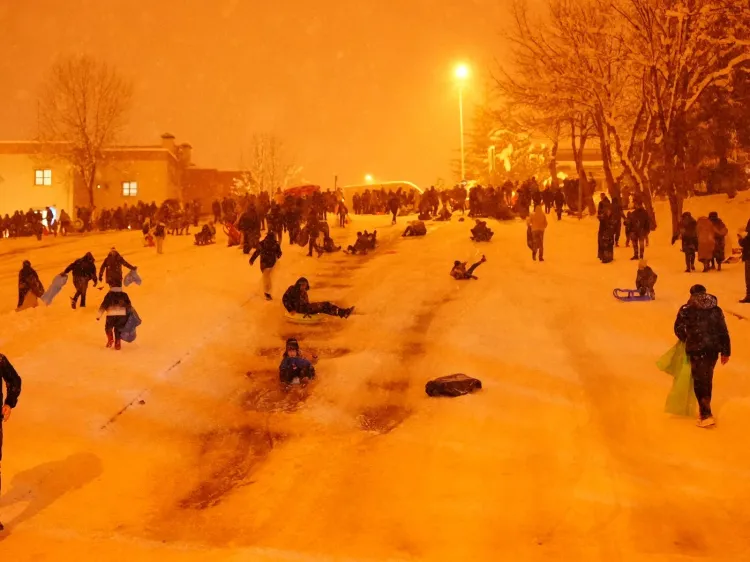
x=270 y=166
x=83 y=108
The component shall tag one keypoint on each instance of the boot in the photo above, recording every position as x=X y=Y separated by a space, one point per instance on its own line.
x=268 y=296
x=73 y=303
x=110 y=340
x=746 y=300
x=118 y=345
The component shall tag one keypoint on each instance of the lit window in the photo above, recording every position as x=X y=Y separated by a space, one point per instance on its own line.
x=129 y=188
x=42 y=177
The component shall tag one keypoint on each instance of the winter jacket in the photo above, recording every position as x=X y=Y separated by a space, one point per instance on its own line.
x=706 y=238
x=269 y=251
x=538 y=220
x=295 y=367
x=720 y=235
x=645 y=279
x=12 y=382
x=29 y=280
x=112 y=264
x=745 y=244
x=640 y=223
x=83 y=268
x=689 y=234
x=160 y=231
x=295 y=298
x=115 y=303
x=701 y=325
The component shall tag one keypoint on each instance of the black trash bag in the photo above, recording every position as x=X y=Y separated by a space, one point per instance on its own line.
x=452 y=385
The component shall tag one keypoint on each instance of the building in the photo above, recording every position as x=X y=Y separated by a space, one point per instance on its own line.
x=32 y=177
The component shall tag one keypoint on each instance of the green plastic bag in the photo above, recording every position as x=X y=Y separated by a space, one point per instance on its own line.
x=681 y=399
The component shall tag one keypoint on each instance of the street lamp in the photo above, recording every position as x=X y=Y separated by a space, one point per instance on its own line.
x=368 y=178
x=462 y=74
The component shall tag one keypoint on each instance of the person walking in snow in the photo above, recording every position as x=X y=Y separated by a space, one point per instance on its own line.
x=116 y=306
x=112 y=266
x=706 y=232
x=269 y=250
x=460 y=273
x=12 y=381
x=84 y=270
x=689 y=235
x=28 y=282
x=700 y=324
x=606 y=235
x=538 y=224
x=744 y=242
x=160 y=234
x=721 y=239
x=559 y=202
x=343 y=212
x=640 y=227
x=393 y=205
x=296 y=300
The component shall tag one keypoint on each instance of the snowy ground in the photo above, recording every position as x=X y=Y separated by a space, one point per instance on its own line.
x=181 y=448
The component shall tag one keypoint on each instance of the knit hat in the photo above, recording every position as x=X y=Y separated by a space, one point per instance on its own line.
x=292 y=343
x=697 y=289
x=26 y=263
x=642 y=264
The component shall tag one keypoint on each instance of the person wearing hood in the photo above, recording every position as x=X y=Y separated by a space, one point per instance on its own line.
x=269 y=250
x=721 y=238
x=460 y=273
x=640 y=227
x=701 y=326
x=294 y=368
x=645 y=280
x=116 y=306
x=706 y=233
x=745 y=245
x=112 y=265
x=689 y=235
x=13 y=387
x=537 y=223
x=84 y=270
x=28 y=281
x=160 y=234
x=296 y=300
x=249 y=225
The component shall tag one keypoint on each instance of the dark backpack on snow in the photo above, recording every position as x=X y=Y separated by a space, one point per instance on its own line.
x=452 y=385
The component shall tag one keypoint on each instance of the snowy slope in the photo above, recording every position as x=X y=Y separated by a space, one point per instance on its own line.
x=565 y=454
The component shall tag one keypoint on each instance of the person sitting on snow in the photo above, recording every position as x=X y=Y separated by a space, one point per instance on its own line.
x=295 y=369
x=460 y=273
x=28 y=281
x=445 y=214
x=117 y=306
x=296 y=300
x=415 y=228
x=645 y=279
x=329 y=245
x=481 y=232
x=365 y=242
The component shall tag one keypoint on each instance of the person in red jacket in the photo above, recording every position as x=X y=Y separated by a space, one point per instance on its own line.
x=13 y=386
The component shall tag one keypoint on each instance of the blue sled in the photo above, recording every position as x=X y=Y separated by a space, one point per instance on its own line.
x=54 y=288
x=630 y=295
x=132 y=277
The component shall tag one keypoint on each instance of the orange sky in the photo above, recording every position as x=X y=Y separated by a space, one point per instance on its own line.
x=353 y=87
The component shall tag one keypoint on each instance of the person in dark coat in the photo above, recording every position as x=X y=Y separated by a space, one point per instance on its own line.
x=295 y=369
x=112 y=266
x=481 y=232
x=28 y=281
x=216 y=208
x=606 y=235
x=84 y=270
x=313 y=227
x=116 y=306
x=689 y=235
x=393 y=205
x=296 y=300
x=744 y=242
x=645 y=280
x=249 y=225
x=721 y=238
x=415 y=228
x=460 y=273
x=13 y=390
x=269 y=250
x=700 y=324
x=640 y=227
x=617 y=216
x=559 y=202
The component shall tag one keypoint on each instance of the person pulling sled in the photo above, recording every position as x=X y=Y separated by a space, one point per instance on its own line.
x=84 y=270
x=117 y=307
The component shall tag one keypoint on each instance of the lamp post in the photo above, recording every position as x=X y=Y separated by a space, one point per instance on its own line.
x=461 y=73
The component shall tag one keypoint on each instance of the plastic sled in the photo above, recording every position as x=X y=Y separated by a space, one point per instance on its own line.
x=629 y=295
x=302 y=319
x=128 y=331
x=132 y=277
x=54 y=288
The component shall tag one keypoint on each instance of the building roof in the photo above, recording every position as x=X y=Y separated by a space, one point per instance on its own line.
x=118 y=152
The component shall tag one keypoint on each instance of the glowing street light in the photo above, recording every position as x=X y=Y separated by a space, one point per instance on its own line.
x=368 y=178
x=462 y=74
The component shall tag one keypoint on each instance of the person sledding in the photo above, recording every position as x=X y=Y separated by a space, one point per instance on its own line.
x=481 y=232
x=460 y=273
x=29 y=286
x=84 y=270
x=112 y=266
x=117 y=307
x=645 y=279
x=294 y=368
x=269 y=250
x=297 y=301
x=415 y=228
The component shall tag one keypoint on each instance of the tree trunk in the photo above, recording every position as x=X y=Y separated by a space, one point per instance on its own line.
x=553 y=165
x=91 y=185
x=578 y=157
x=613 y=188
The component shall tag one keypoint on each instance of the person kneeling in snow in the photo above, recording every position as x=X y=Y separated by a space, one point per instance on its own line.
x=296 y=300
x=294 y=368
x=116 y=305
x=415 y=228
x=645 y=280
x=460 y=272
